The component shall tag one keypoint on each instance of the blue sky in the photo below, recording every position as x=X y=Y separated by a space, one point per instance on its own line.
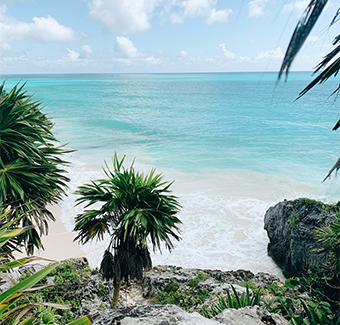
x=141 y=36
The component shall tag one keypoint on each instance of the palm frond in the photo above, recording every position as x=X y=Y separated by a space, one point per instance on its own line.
x=135 y=208
x=107 y=265
x=301 y=32
x=31 y=168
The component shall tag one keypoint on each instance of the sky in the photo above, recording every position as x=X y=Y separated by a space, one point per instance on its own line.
x=155 y=36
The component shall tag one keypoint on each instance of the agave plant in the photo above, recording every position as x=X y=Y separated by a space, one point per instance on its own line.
x=31 y=172
x=12 y=311
x=133 y=208
x=329 y=237
x=234 y=300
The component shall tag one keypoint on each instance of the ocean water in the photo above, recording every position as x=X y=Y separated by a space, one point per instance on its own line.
x=233 y=143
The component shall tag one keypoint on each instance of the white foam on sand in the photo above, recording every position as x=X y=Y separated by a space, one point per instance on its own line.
x=222 y=215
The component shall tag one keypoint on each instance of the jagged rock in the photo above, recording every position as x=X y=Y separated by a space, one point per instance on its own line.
x=158 y=277
x=249 y=315
x=173 y=315
x=290 y=227
x=152 y=315
x=241 y=316
x=270 y=318
x=96 y=294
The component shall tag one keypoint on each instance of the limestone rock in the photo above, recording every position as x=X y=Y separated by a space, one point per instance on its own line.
x=173 y=315
x=241 y=316
x=158 y=277
x=290 y=227
x=152 y=315
x=249 y=315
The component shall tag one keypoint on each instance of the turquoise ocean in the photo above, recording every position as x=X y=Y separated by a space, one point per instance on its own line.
x=233 y=143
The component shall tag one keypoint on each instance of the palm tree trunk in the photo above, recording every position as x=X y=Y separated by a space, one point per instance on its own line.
x=115 y=297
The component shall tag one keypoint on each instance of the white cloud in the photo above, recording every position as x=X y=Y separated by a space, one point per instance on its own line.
x=72 y=55
x=256 y=8
x=299 y=6
x=131 y=16
x=125 y=48
x=176 y=19
x=42 y=29
x=265 y=55
x=5 y=48
x=128 y=16
x=218 y=16
x=194 y=8
x=87 y=49
x=204 y=8
x=183 y=54
x=225 y=53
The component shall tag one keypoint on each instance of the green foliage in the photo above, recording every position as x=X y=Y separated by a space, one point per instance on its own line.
x=66 y=279
x=201 y=275
x=11 y=310
x=16 y=305
x=313 y=310
x=234 y=300
x=184 y=297
x=181 y=297
x=101 y=288
x=47 y=316
x=301 y=312
x=313 y=205
x=277 y=290
x=329 y=237
x=171 y=287
x=194 y=281
x=31 y=168
x=293 y=219
x=251 y=285
x=133 y=208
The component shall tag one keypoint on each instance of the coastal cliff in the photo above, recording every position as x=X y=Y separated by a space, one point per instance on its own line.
x=290 y=227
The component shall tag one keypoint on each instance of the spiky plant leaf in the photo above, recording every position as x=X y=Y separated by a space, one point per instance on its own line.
x=32 y=172
x=301 y=32
x=134 y=207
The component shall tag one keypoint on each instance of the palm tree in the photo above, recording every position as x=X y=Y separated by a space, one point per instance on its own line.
x=31 y=173
x=134 y=208
x=329 y=65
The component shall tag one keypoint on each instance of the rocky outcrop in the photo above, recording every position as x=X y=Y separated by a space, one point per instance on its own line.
x=140 y=310
x=173 y=315
x=249 y=315
x=137 y=305
x=290 y=227
x=214 y=280
x=152 y=315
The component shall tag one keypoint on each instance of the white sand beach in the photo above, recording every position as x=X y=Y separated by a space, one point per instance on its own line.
x=59 y=244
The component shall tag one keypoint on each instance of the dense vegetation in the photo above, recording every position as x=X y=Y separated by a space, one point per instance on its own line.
x=31 y=177
x=31 y=165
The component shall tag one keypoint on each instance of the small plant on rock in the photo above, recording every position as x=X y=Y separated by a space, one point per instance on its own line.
x=234 y=300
